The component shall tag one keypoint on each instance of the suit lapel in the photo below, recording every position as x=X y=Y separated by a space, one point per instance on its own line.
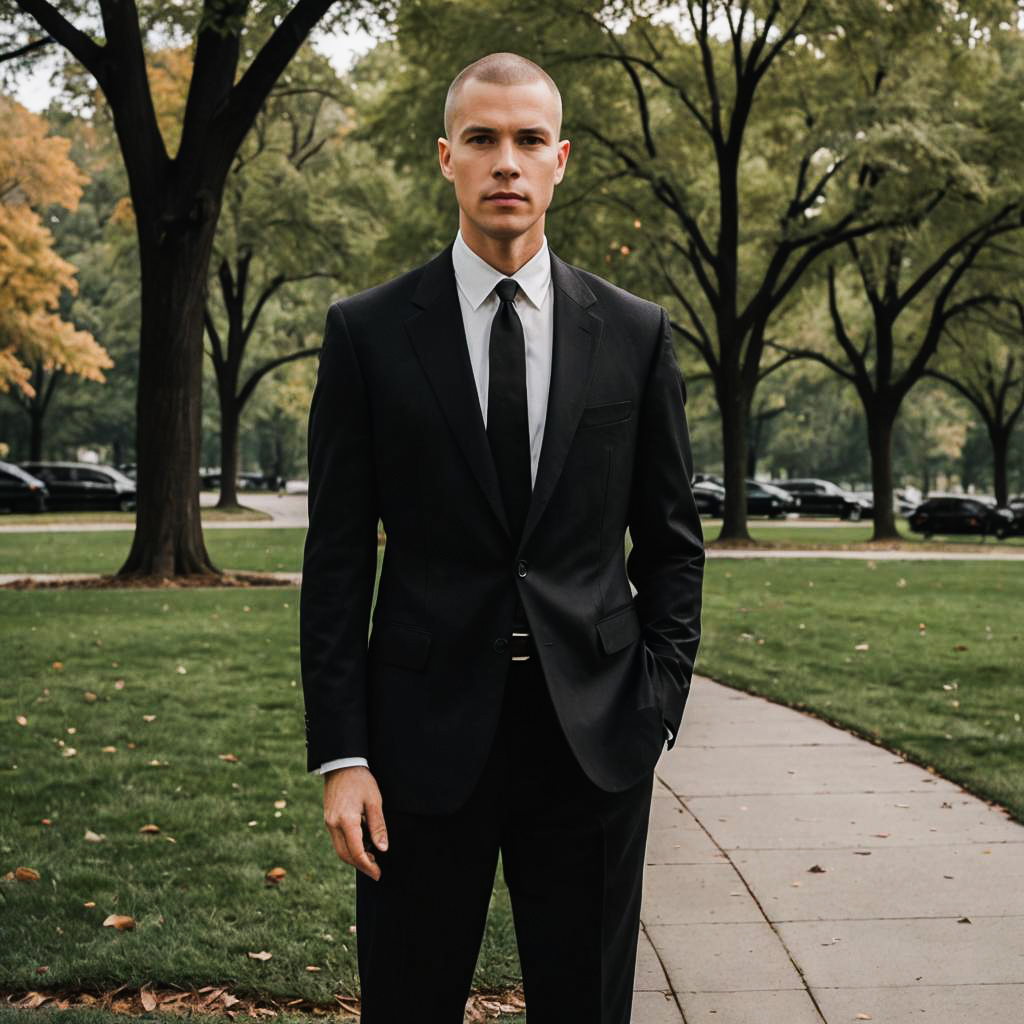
x=577 y=334
x=439 y=340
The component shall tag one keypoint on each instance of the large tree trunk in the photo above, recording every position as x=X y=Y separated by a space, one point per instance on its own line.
x=734 y=406
x=230 y=414
x=36 y=415
x=880 y=426
x=175 y=256
x=1000 y=446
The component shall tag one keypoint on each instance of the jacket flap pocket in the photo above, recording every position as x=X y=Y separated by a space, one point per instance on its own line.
x=400 y=644
x=610 y=412
x=619 y=629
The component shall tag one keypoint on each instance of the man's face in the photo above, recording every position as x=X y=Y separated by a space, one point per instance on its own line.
x=504 y=156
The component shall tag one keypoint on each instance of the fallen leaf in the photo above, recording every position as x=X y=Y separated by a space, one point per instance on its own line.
x=68 y=752
x=959 y=647
x=312 y=968
x=864 y=1016
x=181 y=670
x=816 y=869
x=149 y=1000
x=26 y=874
x=118 y=684
x=150 y=828
x=21 y=720
x=228 y=999
x=89 y=903
x=149 y=718
x=228 y=757
x=42 y=970
x=261 y=955
x=279 y=804
x=32 y=1000
x=110 y=750
x=275 y=875
x=119 y=921
x=90 y=697
x=58 y=665
x=93 y=837
x=862 y=647
x=964 y=920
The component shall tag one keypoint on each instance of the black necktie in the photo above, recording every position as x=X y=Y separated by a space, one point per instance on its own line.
x=508 y=423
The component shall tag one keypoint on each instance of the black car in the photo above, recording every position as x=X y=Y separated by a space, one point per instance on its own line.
x=954 y=514
x=1016 y=506
x=769 y=500
x=709 y=497
x=84 y=486
x=824 y=498
x=21 y=491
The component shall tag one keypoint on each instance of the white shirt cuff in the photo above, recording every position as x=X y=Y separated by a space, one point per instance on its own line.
x=669 y=731
x=341 y=762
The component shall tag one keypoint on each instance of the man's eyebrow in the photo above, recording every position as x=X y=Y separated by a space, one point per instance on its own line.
x=482 y=129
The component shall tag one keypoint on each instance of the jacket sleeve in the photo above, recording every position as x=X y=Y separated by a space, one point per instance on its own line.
x=666 y=563
x=339 y=563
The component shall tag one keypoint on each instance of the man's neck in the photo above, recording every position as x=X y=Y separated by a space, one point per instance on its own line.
x=504 y=254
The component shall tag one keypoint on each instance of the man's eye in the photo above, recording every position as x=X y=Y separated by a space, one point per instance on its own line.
x=474 y=139
x=533 y=140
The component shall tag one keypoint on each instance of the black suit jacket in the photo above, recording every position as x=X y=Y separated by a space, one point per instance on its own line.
x=396 y=432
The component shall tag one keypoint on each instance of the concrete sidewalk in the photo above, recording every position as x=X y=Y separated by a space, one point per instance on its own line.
x=797 y=874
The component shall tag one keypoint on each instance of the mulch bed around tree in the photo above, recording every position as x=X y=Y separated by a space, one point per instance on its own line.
x=217 y=1000
x=112 y=582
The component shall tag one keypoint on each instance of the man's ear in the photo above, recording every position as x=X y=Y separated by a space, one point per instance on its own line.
x=563 y=155
x=444 y=157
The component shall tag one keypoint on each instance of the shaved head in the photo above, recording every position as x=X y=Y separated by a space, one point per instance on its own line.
x=498 y=69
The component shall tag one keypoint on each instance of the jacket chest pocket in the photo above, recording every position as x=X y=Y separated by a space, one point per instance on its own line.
x=606 y=413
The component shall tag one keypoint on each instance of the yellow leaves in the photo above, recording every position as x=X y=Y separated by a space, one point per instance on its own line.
x=228 y=757
x=26 y=874
x=275 y=875
x=121 y=922
x=150 y=829
x=35 y=171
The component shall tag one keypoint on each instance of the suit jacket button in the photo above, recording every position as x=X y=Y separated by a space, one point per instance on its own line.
x=500 y=645
x=521 y=568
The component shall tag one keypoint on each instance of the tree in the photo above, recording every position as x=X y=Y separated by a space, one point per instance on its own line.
x=915 y=281
x=36 y=342
x=984 y=363
x=241 y=50
x=301 y=209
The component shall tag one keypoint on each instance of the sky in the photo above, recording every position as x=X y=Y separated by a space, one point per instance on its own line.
x=35 y=92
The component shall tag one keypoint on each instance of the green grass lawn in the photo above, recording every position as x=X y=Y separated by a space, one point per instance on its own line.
x=103 y=551
x=219 y=671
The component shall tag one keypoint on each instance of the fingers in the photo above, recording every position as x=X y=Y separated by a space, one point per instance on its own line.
x=376 y=827
x=360 y=859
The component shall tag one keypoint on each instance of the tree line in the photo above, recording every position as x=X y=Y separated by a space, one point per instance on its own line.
x=809 y=188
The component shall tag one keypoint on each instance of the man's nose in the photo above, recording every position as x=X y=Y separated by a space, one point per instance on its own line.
x=506 y=165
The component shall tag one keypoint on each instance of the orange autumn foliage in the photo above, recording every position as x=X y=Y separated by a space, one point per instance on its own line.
x=36 y=171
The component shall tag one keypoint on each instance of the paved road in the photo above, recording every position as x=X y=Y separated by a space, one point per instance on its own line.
x=797 y=875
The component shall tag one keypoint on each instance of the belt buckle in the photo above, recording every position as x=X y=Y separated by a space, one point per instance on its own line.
x=525 y=643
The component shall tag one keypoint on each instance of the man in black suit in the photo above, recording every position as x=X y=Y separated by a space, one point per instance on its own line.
x=507 y=417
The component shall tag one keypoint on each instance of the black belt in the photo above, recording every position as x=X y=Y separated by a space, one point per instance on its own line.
x=521 y=646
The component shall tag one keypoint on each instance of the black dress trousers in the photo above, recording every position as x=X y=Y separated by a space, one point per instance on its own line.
x=573 y=859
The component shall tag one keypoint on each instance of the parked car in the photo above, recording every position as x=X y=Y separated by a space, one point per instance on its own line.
x=1016 y=505
x=954 y=514
x=765 y=499
x=709 y=497
x=82 y=485
x=21 y=491
x=260 y=482
x=824 y=498
x=712 y=478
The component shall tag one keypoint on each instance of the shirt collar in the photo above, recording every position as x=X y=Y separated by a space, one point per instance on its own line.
x=476 y=278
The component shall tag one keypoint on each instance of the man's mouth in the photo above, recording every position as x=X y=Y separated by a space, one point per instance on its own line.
x=505 y=198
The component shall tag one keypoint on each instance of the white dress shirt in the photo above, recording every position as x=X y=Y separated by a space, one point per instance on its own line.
x=534 y=302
